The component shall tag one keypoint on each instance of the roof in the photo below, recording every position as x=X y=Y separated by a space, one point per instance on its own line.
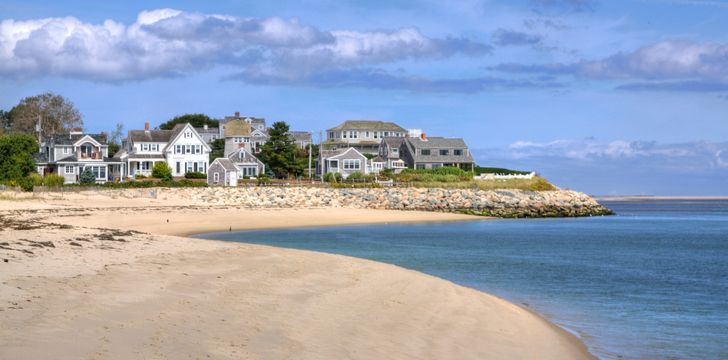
x=374 y=125
x=379 y=159
x=300 y=135
x=226 y=164
x=70 y=139
x=146 y=156
x=40 y=157
x=327 y=154
x=437 y=143
x=159 y=136
x=209 y=130
x=237 y=128
x=394 y=142
x=242 y=156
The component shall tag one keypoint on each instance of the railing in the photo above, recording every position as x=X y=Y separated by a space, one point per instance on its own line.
x=92 y=156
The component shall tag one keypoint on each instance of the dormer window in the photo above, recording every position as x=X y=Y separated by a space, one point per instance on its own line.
x=395 y=150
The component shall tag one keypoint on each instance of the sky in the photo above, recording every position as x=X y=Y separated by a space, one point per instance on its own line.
x=608 y=97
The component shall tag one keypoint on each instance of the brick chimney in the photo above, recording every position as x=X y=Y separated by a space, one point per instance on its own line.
x=146 y=126
x=237 y=114
x=423 y=136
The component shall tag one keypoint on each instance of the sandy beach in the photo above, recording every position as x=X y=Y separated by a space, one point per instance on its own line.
x=96 y=277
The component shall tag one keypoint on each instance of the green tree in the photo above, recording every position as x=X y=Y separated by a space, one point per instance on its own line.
x=56 y=113
x=5 y=121
x=218 y=149
x=16 y=156
x=301 y=157
x=115 y=137
x=87 y=177
x=279 y=152
x=162 y=171
x=196 y=120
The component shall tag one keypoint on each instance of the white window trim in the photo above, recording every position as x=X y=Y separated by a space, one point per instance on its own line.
x=216 y=177
x=70 y=167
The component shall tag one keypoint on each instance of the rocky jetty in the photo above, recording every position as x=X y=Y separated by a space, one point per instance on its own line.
x=498 y=203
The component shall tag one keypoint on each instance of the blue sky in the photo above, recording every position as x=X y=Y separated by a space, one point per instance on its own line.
x=609 y=97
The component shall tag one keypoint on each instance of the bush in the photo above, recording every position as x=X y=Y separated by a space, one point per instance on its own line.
x=333 y=177
x=442 y=174
x=87 y=177
x=491 y=170
x=36 y=179
x=53 y=180
x=355 y=176
x=195 y=175
x=162 y=171
x=26 y=184
x=263 y=180
x=16 y=156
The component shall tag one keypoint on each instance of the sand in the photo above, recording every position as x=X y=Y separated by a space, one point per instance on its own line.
x=78 y=284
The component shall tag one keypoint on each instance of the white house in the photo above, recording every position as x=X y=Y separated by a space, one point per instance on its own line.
x=182 y=148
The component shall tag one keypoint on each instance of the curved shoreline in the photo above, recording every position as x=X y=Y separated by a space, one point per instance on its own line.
x=282 y=302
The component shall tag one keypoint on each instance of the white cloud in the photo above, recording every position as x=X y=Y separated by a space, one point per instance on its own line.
x=168 y=42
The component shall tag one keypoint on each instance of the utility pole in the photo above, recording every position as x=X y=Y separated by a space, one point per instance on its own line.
x=38 y=130
x=310 y=151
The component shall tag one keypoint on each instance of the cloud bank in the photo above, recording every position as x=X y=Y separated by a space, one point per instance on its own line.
x=168 y=42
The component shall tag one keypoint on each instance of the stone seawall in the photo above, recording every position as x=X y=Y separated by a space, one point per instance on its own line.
x=499 y=203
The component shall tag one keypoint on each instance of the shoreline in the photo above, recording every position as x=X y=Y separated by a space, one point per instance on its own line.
x=656 y=198
x=296 y=303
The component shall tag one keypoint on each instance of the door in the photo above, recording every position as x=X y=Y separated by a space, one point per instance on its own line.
x=233 y=176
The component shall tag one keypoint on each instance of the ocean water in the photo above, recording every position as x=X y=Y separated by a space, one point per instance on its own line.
x=649 y=283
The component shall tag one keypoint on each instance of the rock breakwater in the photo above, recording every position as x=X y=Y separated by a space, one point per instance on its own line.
x=498 y=203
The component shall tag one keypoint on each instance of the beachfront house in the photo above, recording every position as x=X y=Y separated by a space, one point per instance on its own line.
x=237 y=136
x=389 y=154
x=363 y=135
x=257 y=136
x=342 y=161
x=222 y=172
x=182 y=148
x=70 y=154
x=425 y=152
x=302 y=139
x=248 y=166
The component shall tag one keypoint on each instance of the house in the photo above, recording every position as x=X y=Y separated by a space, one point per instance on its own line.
x=237 y=136
x=342 y=161
x=363 y=135
x=432 y=152
x=247 y=164
x=302 y=139
x=182 y=148
x=222 y=172
x=389 y=154
x=258 y=130
x=70 y=154
x=208 y=134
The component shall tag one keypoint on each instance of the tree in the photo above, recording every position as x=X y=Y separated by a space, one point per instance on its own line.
x=115 y=139
x=5 y=121
x=57 y=115
x=16 y=156
x=87 y=177
x=196 y=120
x=218 y=149
x=278 y=153
x=162 y=171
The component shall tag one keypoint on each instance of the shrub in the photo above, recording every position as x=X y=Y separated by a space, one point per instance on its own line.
x=355 y=176
x=263 y=180
x=491 y=170
x=36 y=179
x=162 y=171
x=16 y=156
x=195 y=175
x=441 y=174
x=26 y=184
x=332 y=177
x=53 y=180
x=87 y=177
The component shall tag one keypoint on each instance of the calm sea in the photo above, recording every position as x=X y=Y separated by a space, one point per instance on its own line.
x=649 y=283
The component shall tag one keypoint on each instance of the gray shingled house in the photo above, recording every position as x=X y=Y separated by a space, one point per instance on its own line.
x=342 y=161
x=432 y=152
x=70 y=154
x=363 y=135
x=222 y=172
x=390 y=151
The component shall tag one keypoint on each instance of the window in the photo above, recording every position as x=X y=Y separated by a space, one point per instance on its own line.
x=386 y=133
x=352 y=164
x=334 y=164
x=343 y=133
x=69 y=169
x=145 y=165
x=66 y=150
x=145 y=147
x=376 y=134
x=425 y=152
x=188 y=149
x=458 y=152
x=367 y=134
x=154 y=147
x=395 y=151
x=98 y=171
x=420 y=166
x=188 y=134
x=331 y=135
x=178 y=150
x=216 y=177
x=444 y=152
x=190 y=166
x=198 y=149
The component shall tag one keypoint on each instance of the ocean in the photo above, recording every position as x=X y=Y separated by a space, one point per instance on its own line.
x=648 y=283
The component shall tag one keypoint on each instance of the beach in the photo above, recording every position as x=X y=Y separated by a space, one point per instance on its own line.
x=88 y=276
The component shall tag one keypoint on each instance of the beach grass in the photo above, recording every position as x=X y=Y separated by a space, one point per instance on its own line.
x=537 y=183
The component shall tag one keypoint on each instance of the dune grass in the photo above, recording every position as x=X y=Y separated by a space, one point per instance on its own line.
x=535 y=184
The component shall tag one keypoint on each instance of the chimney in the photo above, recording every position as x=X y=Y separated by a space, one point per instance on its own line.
x=204 y=126
x=146 y=126
x=423 y=136
x=237 y=114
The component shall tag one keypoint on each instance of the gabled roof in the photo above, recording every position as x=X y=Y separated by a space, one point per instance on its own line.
x=226 y=164
x=157 y=136
x=242 y=156
x=209 y=130
x=300 y=135
x=237 y=128
x=437 y=143
x=393 y=142
x=70 y=139
x=330 y=154
x=177 y=130
x=374 y=125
